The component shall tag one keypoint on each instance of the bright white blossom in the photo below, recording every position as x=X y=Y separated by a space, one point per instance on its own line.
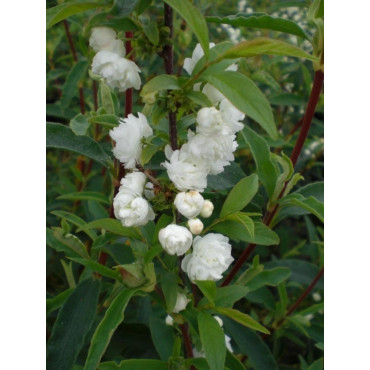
x=169 y=320
x=216 y=150
x=207 y=209
x=210 y=122
x=195 y=226
x=181 y=303
x=128 y=137
x=118 y=72
x=213 y=94
x=189 y=204
x=175 y=239
x=105 y=38
x=210 y=258
x=189 y=63
x=185 y=171
x=231 y=115
x=131 y=209
x=133 y=181
x=228 y=344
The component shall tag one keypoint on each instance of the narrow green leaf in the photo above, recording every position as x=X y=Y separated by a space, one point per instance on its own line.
x=236 y=231
x=73 y=323
x=86 y=195
x=241 y=194
x=56 y=302
x=97 y=267
x=158 y=83
x=242 y=318
x=260 y=20
x=199 y=363
x=213 y=340
x=199 y=98
x=134 y=365
x=268 y=277
x=169 y=288
x=246 y=96
x=103 y=333
x=232 y=362
x=262 y=45
x=208 y=288
x=106 y=97
x=317 y=365
x=147 y=153
x=251 y=344
x=310 y=204
x=266 y=168
x=123 y=7
x=79 y=124
x=117 y=23
x=70 y=86
x=107 y=120
x=245 y=220
x=112 y=225
x=194 y=18
x=61 y=137
x=228 y=295
x=251 y=272
x=65 y=10
x=163 y=337
x=227 y=179
x=151 y=32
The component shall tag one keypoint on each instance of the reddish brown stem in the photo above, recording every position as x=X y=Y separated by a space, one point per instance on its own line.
x=185 y=334
x=74 y=54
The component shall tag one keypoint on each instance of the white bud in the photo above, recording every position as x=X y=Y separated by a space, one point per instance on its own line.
x=195 y=226
x=175 y=239
x=189 y=204
x=169 y=320
x=218 y=319
x=227 y=342
x=181 y=303
x=149 y=191
x=207 y=209
x=316 y=297
x=133 y=181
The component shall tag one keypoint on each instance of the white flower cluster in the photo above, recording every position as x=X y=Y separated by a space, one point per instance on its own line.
x=109 y=62
x=129 y=205
x=211 y=147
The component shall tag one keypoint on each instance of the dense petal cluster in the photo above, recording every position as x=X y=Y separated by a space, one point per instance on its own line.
x=181 y=302
x=128 y=137
x=189 y=204
x=175 y=239
x=109 y=62
x=211 y=257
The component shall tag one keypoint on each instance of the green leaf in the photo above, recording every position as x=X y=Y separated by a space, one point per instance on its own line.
x=63 y=11
x=317 y=365
x=232 y=362
x=108 y=120
x=72 y=325
x=67 y=243
x=263 y=45
x=112 y=225
x=228 y=295
x=261 y=20
x=151 y=32
x=77 y=72
x=75 y=220
x=241 y=194
x=236 y=231
x=158 y=83
x=163 y=337
x=123 y=7
x=246 y=96
x=242 y=318
x=212 y=338
x=117 y=23
x=103 y=333
x=208 y=288
x=169 y=288
x=266 y=169
x=86 y=195
x=199 y=98
x=147 y=153
x=267 y=277
x=97 y=267
x=310 y=204
x=134 y=365
x=194 y=19
x=251 y=344
x=106 y=97
x=61 y=137
x=79 y=124
x=245 y=220
x=56 y=302
x=227 y=179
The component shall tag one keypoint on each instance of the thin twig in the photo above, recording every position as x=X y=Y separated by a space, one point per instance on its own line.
x=185 y=334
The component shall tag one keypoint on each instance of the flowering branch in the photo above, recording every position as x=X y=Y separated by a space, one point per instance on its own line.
x=70 y=41
x=306 y=123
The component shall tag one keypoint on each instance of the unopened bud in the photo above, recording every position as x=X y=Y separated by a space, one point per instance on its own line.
x=195 y=225
x=207 y=209
x=169 y=320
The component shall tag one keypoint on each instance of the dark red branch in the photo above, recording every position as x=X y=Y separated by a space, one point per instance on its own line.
x=185 y=334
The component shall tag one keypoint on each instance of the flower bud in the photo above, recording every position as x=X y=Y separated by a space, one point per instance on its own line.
x=195 y=226
x=181 y=303
x=207 y=209
x=169 y=320
x=175 y=239
x=189 y=204
x=316 y=297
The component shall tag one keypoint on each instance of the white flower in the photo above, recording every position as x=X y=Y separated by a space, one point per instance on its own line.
x=175 y=239
x=210 y=258
x=186 y=171
x=216 y=150
x=210 y=122
x=195 y=226
x=169 y=320
x=231 y=116
x=213 y=94
x=134 y=182
x=227 y=342
x=149 y=191
x=131 y=209
x=207 y=209
x=189 y=63
x=189 y=204
x=128 y=136
x=118 y=72
x=105 y=38
x=181 y=303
